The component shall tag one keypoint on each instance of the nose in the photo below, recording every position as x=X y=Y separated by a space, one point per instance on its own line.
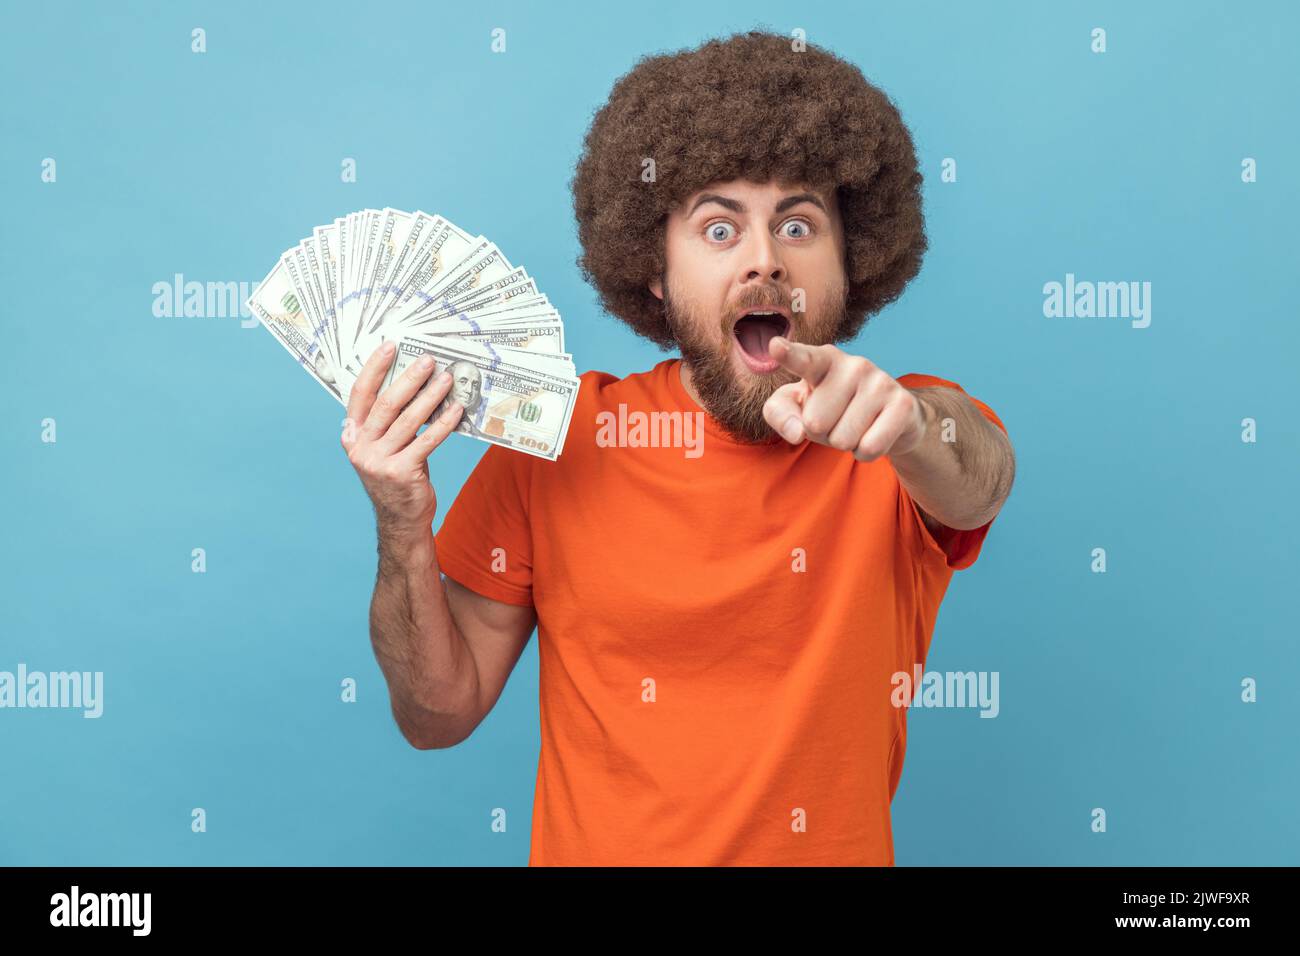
x=762 y=262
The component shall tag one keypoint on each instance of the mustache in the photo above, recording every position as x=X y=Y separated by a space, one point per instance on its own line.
x=761 y=297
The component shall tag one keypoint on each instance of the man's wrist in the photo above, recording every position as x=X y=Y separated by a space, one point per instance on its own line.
x=929 y=415
x=403 y=547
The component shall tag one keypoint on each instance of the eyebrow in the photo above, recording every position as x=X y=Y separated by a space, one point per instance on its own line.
x=736 y=205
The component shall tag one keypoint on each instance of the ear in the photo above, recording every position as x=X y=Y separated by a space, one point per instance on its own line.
x=656 y=287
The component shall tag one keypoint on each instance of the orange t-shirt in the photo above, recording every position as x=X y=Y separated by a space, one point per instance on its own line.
x=718 y=626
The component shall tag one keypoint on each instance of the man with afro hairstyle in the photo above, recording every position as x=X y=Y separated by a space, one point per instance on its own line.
x=736 y=564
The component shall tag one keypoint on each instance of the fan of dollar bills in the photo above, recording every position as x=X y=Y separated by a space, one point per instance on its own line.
x=418 y=280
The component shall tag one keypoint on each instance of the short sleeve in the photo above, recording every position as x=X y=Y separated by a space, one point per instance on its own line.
x=959 y=547
x=485 y=542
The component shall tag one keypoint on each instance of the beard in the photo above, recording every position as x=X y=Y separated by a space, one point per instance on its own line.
x=736 y=400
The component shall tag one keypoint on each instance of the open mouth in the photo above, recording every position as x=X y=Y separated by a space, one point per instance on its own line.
x=755 y=330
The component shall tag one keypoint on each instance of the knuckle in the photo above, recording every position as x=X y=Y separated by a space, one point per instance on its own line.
x=403 y=420
x=869 y=450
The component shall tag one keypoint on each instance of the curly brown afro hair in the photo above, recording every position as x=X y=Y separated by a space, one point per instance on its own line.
x=749 y=106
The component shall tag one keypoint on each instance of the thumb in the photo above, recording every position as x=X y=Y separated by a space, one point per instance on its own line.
x=785 y=404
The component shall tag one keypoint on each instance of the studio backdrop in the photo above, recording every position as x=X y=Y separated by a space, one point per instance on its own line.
x=1110 y=193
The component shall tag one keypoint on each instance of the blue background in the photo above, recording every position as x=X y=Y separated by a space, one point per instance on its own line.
x=1118 y=690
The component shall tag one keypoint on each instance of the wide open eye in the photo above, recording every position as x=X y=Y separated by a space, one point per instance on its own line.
x=804 y=226
x=714 y=228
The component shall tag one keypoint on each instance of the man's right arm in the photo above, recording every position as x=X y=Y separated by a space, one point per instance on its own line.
x=431 y=674
x=445 y=650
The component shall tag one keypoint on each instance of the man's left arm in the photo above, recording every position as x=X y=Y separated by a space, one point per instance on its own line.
x=957 y=465
x=960 y=470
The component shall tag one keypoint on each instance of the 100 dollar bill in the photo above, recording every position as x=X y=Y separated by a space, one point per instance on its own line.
x=526 y=410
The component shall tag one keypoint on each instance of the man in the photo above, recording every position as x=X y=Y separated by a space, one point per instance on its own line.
x=718 y=632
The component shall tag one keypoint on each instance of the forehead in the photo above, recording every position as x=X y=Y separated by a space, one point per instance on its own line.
x=755 y=194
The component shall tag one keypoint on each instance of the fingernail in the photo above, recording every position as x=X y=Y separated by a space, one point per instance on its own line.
x=792 y=429
x=388 y=348
x=443 y=376
x=426 y=361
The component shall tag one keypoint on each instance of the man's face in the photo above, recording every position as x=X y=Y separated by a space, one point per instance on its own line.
x=738 y=245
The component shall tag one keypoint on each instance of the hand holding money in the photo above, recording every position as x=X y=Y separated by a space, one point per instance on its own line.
x=380 y=437
x=417 y=281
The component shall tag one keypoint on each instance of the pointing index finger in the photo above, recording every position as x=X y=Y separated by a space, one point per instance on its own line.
x=809 y=363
